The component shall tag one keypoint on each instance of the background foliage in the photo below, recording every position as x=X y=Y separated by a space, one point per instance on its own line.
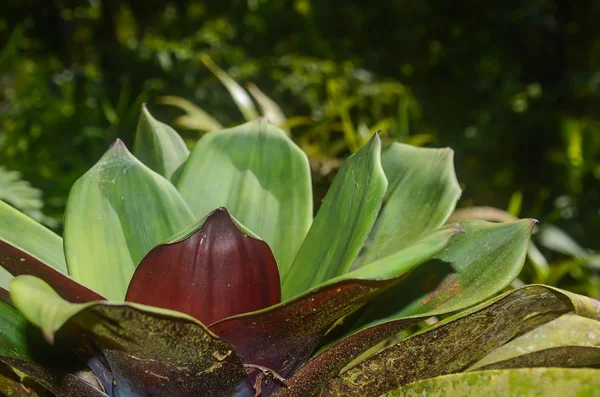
x=513 y=87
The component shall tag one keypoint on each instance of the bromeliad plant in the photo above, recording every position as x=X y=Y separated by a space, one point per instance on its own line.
x=205 y=274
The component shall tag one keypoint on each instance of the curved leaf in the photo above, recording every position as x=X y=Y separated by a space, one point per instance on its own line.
x=23 y=233
x=195 y=117
x=216 y=272
x=568 y=341
x=158 y=146
x=116 y=213
x=448 y=347
x=541 y=382
x=282 y=337
x=147 y=348
x=342 y=223
x=260 y=176
x=268 y=107
x=422 y=193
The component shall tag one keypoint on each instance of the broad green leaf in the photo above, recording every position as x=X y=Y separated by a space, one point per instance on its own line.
x=260 y=176
x=422 y=193
x=116 y=213
x=59 y=383
x=195 y=117
x=282 y=337
x=475 y=265
x=238 y=94
x=449 y=347
x=568 y=341
x=525 y=382
x=158 y=146
x=23 y=233
x=144 y=346
x=268 y=107
x=13 y=333
x=342 y=224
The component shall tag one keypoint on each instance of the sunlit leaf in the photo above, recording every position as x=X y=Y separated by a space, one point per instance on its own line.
x=260 y=176
x=158 y=146
x=147 y=348
x=342 y=224
x=195 y=117
x=268 y=107
x=116 y=213
x=422 y=193
x=214 y=272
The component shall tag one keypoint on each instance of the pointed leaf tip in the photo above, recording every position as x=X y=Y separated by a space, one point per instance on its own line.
x=220 y=271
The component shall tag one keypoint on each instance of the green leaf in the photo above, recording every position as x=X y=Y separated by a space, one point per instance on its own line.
x=147 y=348
x=13 y=333
x=20 y=193
x=448 y=346
x=342 y=224
x=568 y=341
x=268 y=107
x=116 y=213
x=158 y=146
x=195 y=117
x=21 y=232
x=238 y=94
x=422 y=193
x=540 y=382
x=282 y=337
x=260 y=176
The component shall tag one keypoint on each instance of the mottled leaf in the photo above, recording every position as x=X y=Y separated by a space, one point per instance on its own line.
x=158 y=146
x=568 y=341
x=342 y=223
x=282 y=337
x=540 y=382
x=215 y=272
x=448 y=346
x=116 y=213
x=147 y=348
x=260 y=176
x=422 y=193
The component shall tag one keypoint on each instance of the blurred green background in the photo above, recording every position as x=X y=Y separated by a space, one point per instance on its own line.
x=512 y=86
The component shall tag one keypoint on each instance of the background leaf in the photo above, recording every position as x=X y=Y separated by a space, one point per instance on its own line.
x=195 y=117
x=260 y=176
x=342 y=224
x=116 y=213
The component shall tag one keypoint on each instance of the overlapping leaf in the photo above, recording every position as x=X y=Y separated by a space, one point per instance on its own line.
x=214 y=272
x=541 y=382
x=116 y=213
x=147 y=348
x=342 y=224
x=260 y=176
x=448 y=347
x=422 y=193
x=159 y=146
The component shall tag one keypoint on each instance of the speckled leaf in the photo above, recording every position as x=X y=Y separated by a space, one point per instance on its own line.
x=214 y=272
x=158 y=146
x=282 y=337
x=147 y=348
x=19 y=233
x=116 y=213
x=59 y=383
x=422 y=193
x=448 y=346
x=260 y=176
x=342 y=224
x=526 y=382
x=568 y=341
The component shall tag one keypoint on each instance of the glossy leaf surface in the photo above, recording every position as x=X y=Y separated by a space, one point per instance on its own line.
x=23 y=233
x=422 y=193
x=568 y=341
x=158 y=146
x=541 y=382
x=147 y=348
x=282 y=337
x=448 y=347
x=342 y=224
x=216 y=272
x=116 y=213
x=260 y=176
